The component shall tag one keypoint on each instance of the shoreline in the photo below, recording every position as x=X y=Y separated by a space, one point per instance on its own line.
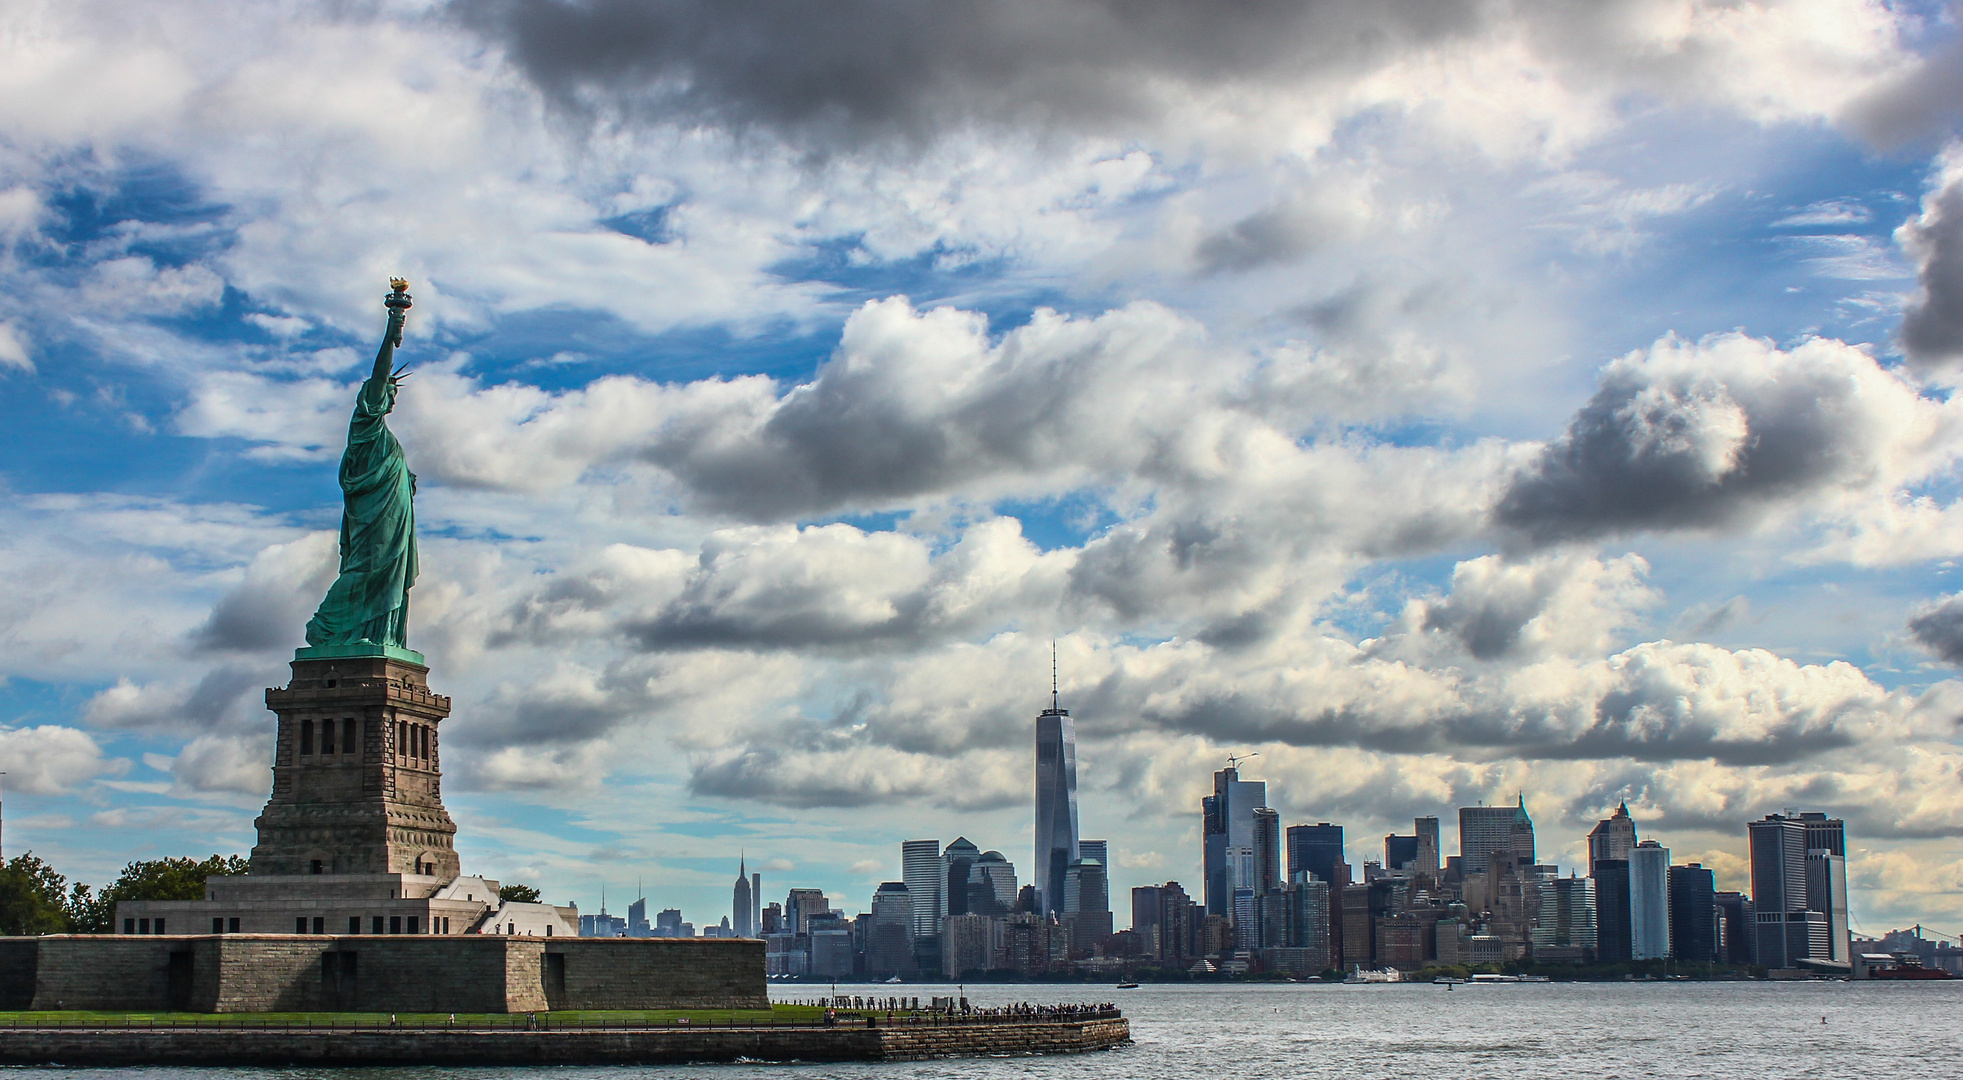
x=277 y=1047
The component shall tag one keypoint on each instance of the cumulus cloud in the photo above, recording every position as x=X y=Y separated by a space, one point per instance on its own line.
x=1921 y=100
x=875 y=70
x=912 y=407
x=135 y=285
x=1723 y=432
x=1932 y=323
x=591 y=600
x=531 y=768
x=289 y=419
x=223 y=765
x=1301 y=221
x=870 y=69
x=1901 y=530
x=51 y=759
x=694 y=701
x=270 y=607
x=814 y=776
x=1656 y=701
x=1939 y=627
x=112 y=584
x=218 y=699
x=916 y=404
x=1564 y=603
x=835 y=586
x=1652 y=708
x=1708 y=736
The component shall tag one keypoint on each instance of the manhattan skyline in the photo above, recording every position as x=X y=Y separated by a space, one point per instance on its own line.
x=1440 y=402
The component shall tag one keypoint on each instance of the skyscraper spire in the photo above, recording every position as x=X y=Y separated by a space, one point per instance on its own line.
x=1056 y=798
x=743 y=900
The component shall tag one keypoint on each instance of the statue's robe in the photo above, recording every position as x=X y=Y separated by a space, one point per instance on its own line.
x=369 y=602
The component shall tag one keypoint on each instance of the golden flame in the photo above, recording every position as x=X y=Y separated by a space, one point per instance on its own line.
x=399 y=284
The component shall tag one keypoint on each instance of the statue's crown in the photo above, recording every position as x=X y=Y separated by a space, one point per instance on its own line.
x=399 y=284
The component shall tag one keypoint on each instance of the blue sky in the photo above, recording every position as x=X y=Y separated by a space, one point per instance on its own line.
x=1443 y=401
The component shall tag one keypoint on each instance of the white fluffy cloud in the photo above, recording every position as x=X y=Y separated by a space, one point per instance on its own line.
x=1562 y=604
x=1286 y=73
x=50 y=759
x=232 y=767
x=1932 y=324
x=13 y=348
x=1730 y=431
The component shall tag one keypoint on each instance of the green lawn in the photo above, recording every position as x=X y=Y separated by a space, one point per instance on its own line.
x=782 y=1014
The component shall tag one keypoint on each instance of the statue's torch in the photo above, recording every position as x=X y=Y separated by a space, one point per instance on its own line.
x=398 y=303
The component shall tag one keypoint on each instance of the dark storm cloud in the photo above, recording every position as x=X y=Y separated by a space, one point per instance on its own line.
x=1939 y=627
x=704 y=626
x=218 y=700
x=919 y=403
x=1277 y=234
x=1651 y=703
x=1488 y=626
x=269 y=609
x=862 y=69
x=563 y=712
x=838 y=441
x=1708 y=437
x=249 y=619
x=1923 y=102
x=1626 y=726
x=756 y=774
x=848 y=778
x=1932 y=323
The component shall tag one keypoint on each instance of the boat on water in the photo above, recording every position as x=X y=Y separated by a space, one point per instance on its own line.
x=1358 y=976
x=1447 y=980
x=895 y=979
x=1127 y=986
x=1484 y=978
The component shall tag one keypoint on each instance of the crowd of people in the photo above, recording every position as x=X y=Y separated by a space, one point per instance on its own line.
x=904 y=1009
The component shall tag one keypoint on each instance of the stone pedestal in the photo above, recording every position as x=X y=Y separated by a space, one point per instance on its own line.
x=357 y=787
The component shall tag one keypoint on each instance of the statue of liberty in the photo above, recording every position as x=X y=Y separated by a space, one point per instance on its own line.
x=368 y=603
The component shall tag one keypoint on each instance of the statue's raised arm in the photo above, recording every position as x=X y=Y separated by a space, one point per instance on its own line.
x=368 y=603
x=398 y=304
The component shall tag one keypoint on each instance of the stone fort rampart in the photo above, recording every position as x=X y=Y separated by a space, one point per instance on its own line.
x=479 y=973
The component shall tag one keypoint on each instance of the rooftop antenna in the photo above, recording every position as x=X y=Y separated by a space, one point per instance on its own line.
x=1053 y=697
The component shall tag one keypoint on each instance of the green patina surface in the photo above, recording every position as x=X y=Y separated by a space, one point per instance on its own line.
x=369 y=600
x=336 y=652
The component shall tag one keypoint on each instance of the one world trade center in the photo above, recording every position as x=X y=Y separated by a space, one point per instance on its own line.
x=1056 y=802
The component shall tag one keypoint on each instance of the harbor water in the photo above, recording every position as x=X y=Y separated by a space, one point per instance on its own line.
x=1514 y=1031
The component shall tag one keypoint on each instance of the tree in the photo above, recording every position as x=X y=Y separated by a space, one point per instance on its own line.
x=33 y=898
x=156 y=879
x=518 y=894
